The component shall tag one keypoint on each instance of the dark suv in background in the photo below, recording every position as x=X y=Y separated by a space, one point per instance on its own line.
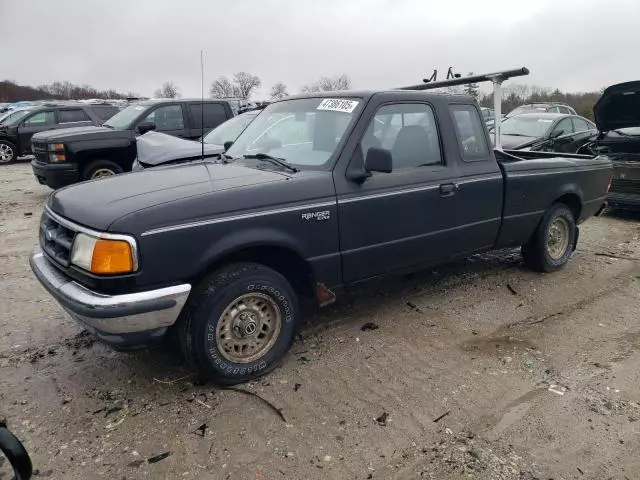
x=16 y=131
x=77 y=154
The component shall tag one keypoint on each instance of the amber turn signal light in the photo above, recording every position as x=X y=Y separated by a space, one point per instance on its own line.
x=111 y=256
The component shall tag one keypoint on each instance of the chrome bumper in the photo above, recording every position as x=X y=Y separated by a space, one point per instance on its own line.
x=112 y=315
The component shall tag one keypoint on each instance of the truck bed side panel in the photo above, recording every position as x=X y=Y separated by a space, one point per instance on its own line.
x=533 y=185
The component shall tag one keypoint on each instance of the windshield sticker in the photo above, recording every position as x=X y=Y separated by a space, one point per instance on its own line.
x=338 y=105
x=542 y=120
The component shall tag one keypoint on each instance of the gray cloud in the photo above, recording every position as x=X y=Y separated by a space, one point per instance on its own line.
x=137 y=45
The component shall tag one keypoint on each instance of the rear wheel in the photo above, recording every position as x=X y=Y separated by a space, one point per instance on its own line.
x=552 y=243
x=7 y=152
x=239 y=323
x=100 y=169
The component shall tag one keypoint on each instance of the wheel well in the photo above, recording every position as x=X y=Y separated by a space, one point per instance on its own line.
x=572 y=201
x=288 y=263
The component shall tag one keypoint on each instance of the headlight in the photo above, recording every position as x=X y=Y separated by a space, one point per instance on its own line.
x=57 y=153
x=104 y=255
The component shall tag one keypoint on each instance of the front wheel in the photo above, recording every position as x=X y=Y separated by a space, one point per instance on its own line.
x=553 y=242
x=239 y=323
x=8 y=152
x=101 y=169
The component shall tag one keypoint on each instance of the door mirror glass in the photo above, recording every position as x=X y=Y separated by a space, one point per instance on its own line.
x=144 y=127
x=227 y=145
x=14 y=459
x=378 y=160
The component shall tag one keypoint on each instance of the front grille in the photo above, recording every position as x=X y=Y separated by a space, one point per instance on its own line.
x=620 y=185
x=39 y=149
x=56 y=240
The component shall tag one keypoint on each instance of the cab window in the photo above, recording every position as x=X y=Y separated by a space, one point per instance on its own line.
x=470 y=133
x=40 y=119
x=408 y=131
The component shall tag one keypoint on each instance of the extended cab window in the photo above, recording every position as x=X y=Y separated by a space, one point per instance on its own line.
x=214 y=115
x=471 y=136
x=408 y=131
x=70 y=116
x=169 y=117
x=40 y=119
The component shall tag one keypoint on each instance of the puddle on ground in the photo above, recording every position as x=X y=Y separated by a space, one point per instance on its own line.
x=496 y=344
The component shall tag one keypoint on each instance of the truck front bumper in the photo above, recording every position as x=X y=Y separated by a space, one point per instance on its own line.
x=55 y=175
x=123 y=321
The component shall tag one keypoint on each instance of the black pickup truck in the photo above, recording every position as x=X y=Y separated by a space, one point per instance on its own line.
x=17 y=129
x=318 y=193
x=72 y=155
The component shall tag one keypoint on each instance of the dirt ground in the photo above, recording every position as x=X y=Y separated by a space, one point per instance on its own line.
x=481 y=369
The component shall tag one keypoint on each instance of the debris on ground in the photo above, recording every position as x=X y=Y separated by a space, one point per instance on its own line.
x=382 y=419
x=369 y=326
x=528 y=364
x=201 y=430
x=157 y=458
x=296 y=387
x=253 y=394
x=512 y=290
x=437 y=419
x=304 y=359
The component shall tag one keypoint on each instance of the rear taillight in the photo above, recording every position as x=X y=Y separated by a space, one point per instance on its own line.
x=609 y=183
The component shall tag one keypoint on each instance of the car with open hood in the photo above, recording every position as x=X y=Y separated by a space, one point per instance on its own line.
x=617 y=135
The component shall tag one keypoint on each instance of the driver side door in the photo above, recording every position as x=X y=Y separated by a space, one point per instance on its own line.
x=37 y=122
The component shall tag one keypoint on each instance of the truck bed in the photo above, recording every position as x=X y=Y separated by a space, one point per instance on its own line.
x=532 y=181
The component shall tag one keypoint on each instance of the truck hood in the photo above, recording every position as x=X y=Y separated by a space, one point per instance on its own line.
x=618 y=107
x=79 y=133
x=98 y=203
x=158 y=148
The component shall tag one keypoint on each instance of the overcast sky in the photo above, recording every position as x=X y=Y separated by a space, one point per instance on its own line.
x=136 y=45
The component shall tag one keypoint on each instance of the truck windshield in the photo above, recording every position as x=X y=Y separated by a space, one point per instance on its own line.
x=526 y=126
x=304 y=132
x=124 y=118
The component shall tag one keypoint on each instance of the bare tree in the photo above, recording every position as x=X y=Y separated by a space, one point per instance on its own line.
x=329 y=84
x=245 y=83
x=222 y=88
x=472 y=89
x=168 y=90
x=279 y=91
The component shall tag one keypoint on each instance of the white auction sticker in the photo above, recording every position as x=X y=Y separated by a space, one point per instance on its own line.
x=338 y=105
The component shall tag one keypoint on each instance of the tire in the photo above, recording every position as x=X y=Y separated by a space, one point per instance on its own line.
x=211 y=334
x=553 y=242
x=8 y=152
x=100 y=169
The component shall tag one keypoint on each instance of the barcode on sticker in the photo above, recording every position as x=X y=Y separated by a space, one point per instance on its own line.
x=338 y=105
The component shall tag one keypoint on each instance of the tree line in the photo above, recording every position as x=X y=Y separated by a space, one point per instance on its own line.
x=10 y=91
x=243 y=85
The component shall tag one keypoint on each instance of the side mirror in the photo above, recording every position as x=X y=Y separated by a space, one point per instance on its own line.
x=227 y=145
x=378 y=160
x=144 y=127
x=13 y=453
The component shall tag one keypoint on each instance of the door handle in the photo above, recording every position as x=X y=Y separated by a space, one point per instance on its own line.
x=448 y=189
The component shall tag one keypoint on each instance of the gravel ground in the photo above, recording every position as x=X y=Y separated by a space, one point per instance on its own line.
x=481 y=369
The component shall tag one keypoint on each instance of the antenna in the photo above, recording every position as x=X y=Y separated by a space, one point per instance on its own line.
x=201 y=107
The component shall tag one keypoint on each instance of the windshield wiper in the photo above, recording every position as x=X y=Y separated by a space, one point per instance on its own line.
x=516 y=134
x=268 y=158
x=108 y=126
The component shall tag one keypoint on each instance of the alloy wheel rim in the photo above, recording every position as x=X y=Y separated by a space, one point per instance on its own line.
x=248 y=328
